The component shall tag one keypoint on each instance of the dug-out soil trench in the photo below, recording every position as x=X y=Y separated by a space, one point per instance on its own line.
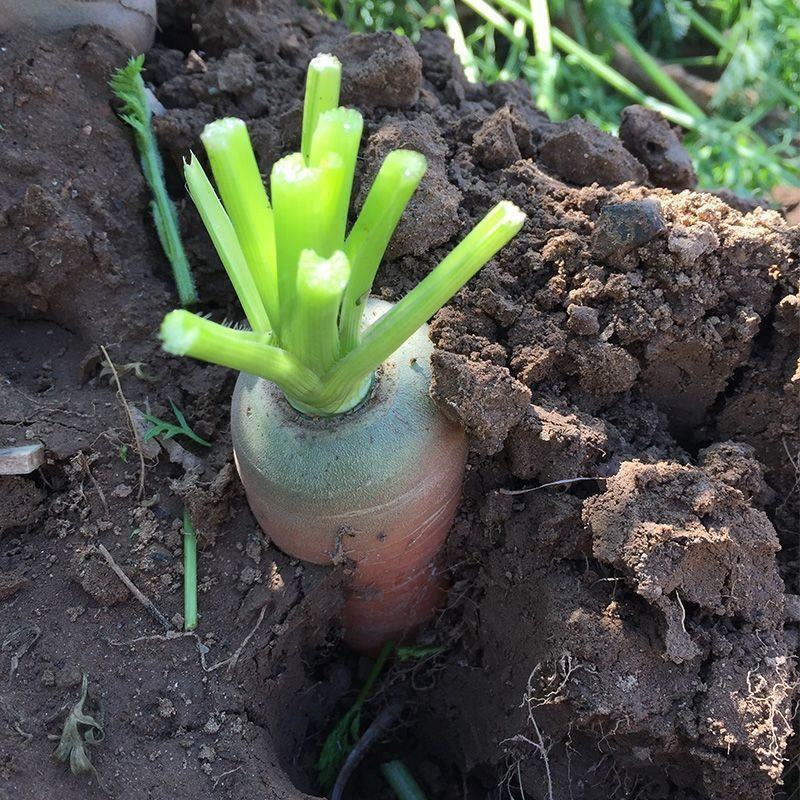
x=634 y=622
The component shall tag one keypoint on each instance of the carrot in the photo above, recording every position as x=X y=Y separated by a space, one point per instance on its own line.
x=342 y=453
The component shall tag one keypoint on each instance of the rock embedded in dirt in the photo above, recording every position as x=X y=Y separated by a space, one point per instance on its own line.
x=484 y=398
x=583 y=154
x=657 y=145
x=622 y=227
x=379 y=69
x=21 y=503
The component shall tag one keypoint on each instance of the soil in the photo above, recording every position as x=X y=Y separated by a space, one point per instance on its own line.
x=623 y=618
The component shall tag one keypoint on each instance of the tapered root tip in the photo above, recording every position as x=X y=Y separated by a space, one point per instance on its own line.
x=177 y=334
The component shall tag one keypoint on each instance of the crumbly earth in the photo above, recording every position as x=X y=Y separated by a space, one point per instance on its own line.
x=622 y=621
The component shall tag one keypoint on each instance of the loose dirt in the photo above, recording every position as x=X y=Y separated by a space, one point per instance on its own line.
x=623 y=616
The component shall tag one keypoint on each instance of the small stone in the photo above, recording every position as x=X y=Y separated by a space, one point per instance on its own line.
x=622 y=227
x=69 y=676
x=48 y=678
x=792 y=607
x=122 y=490
x=253 y=550
x=73 y=612
x=583 y=320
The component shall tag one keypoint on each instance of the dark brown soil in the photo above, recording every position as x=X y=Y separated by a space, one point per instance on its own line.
x=623 y=632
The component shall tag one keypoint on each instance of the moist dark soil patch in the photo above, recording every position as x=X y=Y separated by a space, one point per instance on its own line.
x=627 y=631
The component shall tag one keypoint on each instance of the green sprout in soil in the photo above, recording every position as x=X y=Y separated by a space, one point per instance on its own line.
x=399 y=777
x=345 y=734
x=80 y=731
x=166 y=430
x=302 y=279
x=189 y=574
x=128 y=86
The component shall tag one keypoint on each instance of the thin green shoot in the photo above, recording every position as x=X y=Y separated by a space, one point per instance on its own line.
x=323 y=81
x=314 y=325
x=452 y=27
x=236 y=174
x=345 y=734
x=80 y=732
x=545 y=58
x=303 y=198
x=128 y=86
x=399 y=777
x=167 y=430
x=396 y=181
x=226 y=242
x=189 y=574
x=338 y=132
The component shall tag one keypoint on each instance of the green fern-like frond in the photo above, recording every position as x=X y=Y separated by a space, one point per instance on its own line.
x=128 y=86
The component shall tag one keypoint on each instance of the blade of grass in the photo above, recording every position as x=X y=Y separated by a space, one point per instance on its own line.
x=128 y=86
x=184 y=333
x=396 y=181
x=189 y=574
x=322 y=94
x=223 y=235
x=233 y=163
x=452 y=27
x=545 y=59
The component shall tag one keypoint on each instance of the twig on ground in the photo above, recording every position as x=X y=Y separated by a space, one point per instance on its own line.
x=134 y=590
x=134 y=431
x=225 y=774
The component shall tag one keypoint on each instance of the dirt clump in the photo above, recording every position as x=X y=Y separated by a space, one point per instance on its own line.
x=582 y=154
x=657 y=145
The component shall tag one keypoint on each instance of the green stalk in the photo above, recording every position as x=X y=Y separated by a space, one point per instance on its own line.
x=303 y=200
x=189 y=574
x=399 y=777
x=222 y=233
x=542 y=39
x=338 y=132
x=425 y=299
x=396 y=181
x=654 y=71
x=603 y=71
x=185 y=334
x=313 y=335
x=452 y=27
x=127 y=84
x=322 y=94
x=239 y=182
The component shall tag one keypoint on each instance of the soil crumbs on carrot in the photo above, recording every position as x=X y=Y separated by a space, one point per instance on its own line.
x=627 y=631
